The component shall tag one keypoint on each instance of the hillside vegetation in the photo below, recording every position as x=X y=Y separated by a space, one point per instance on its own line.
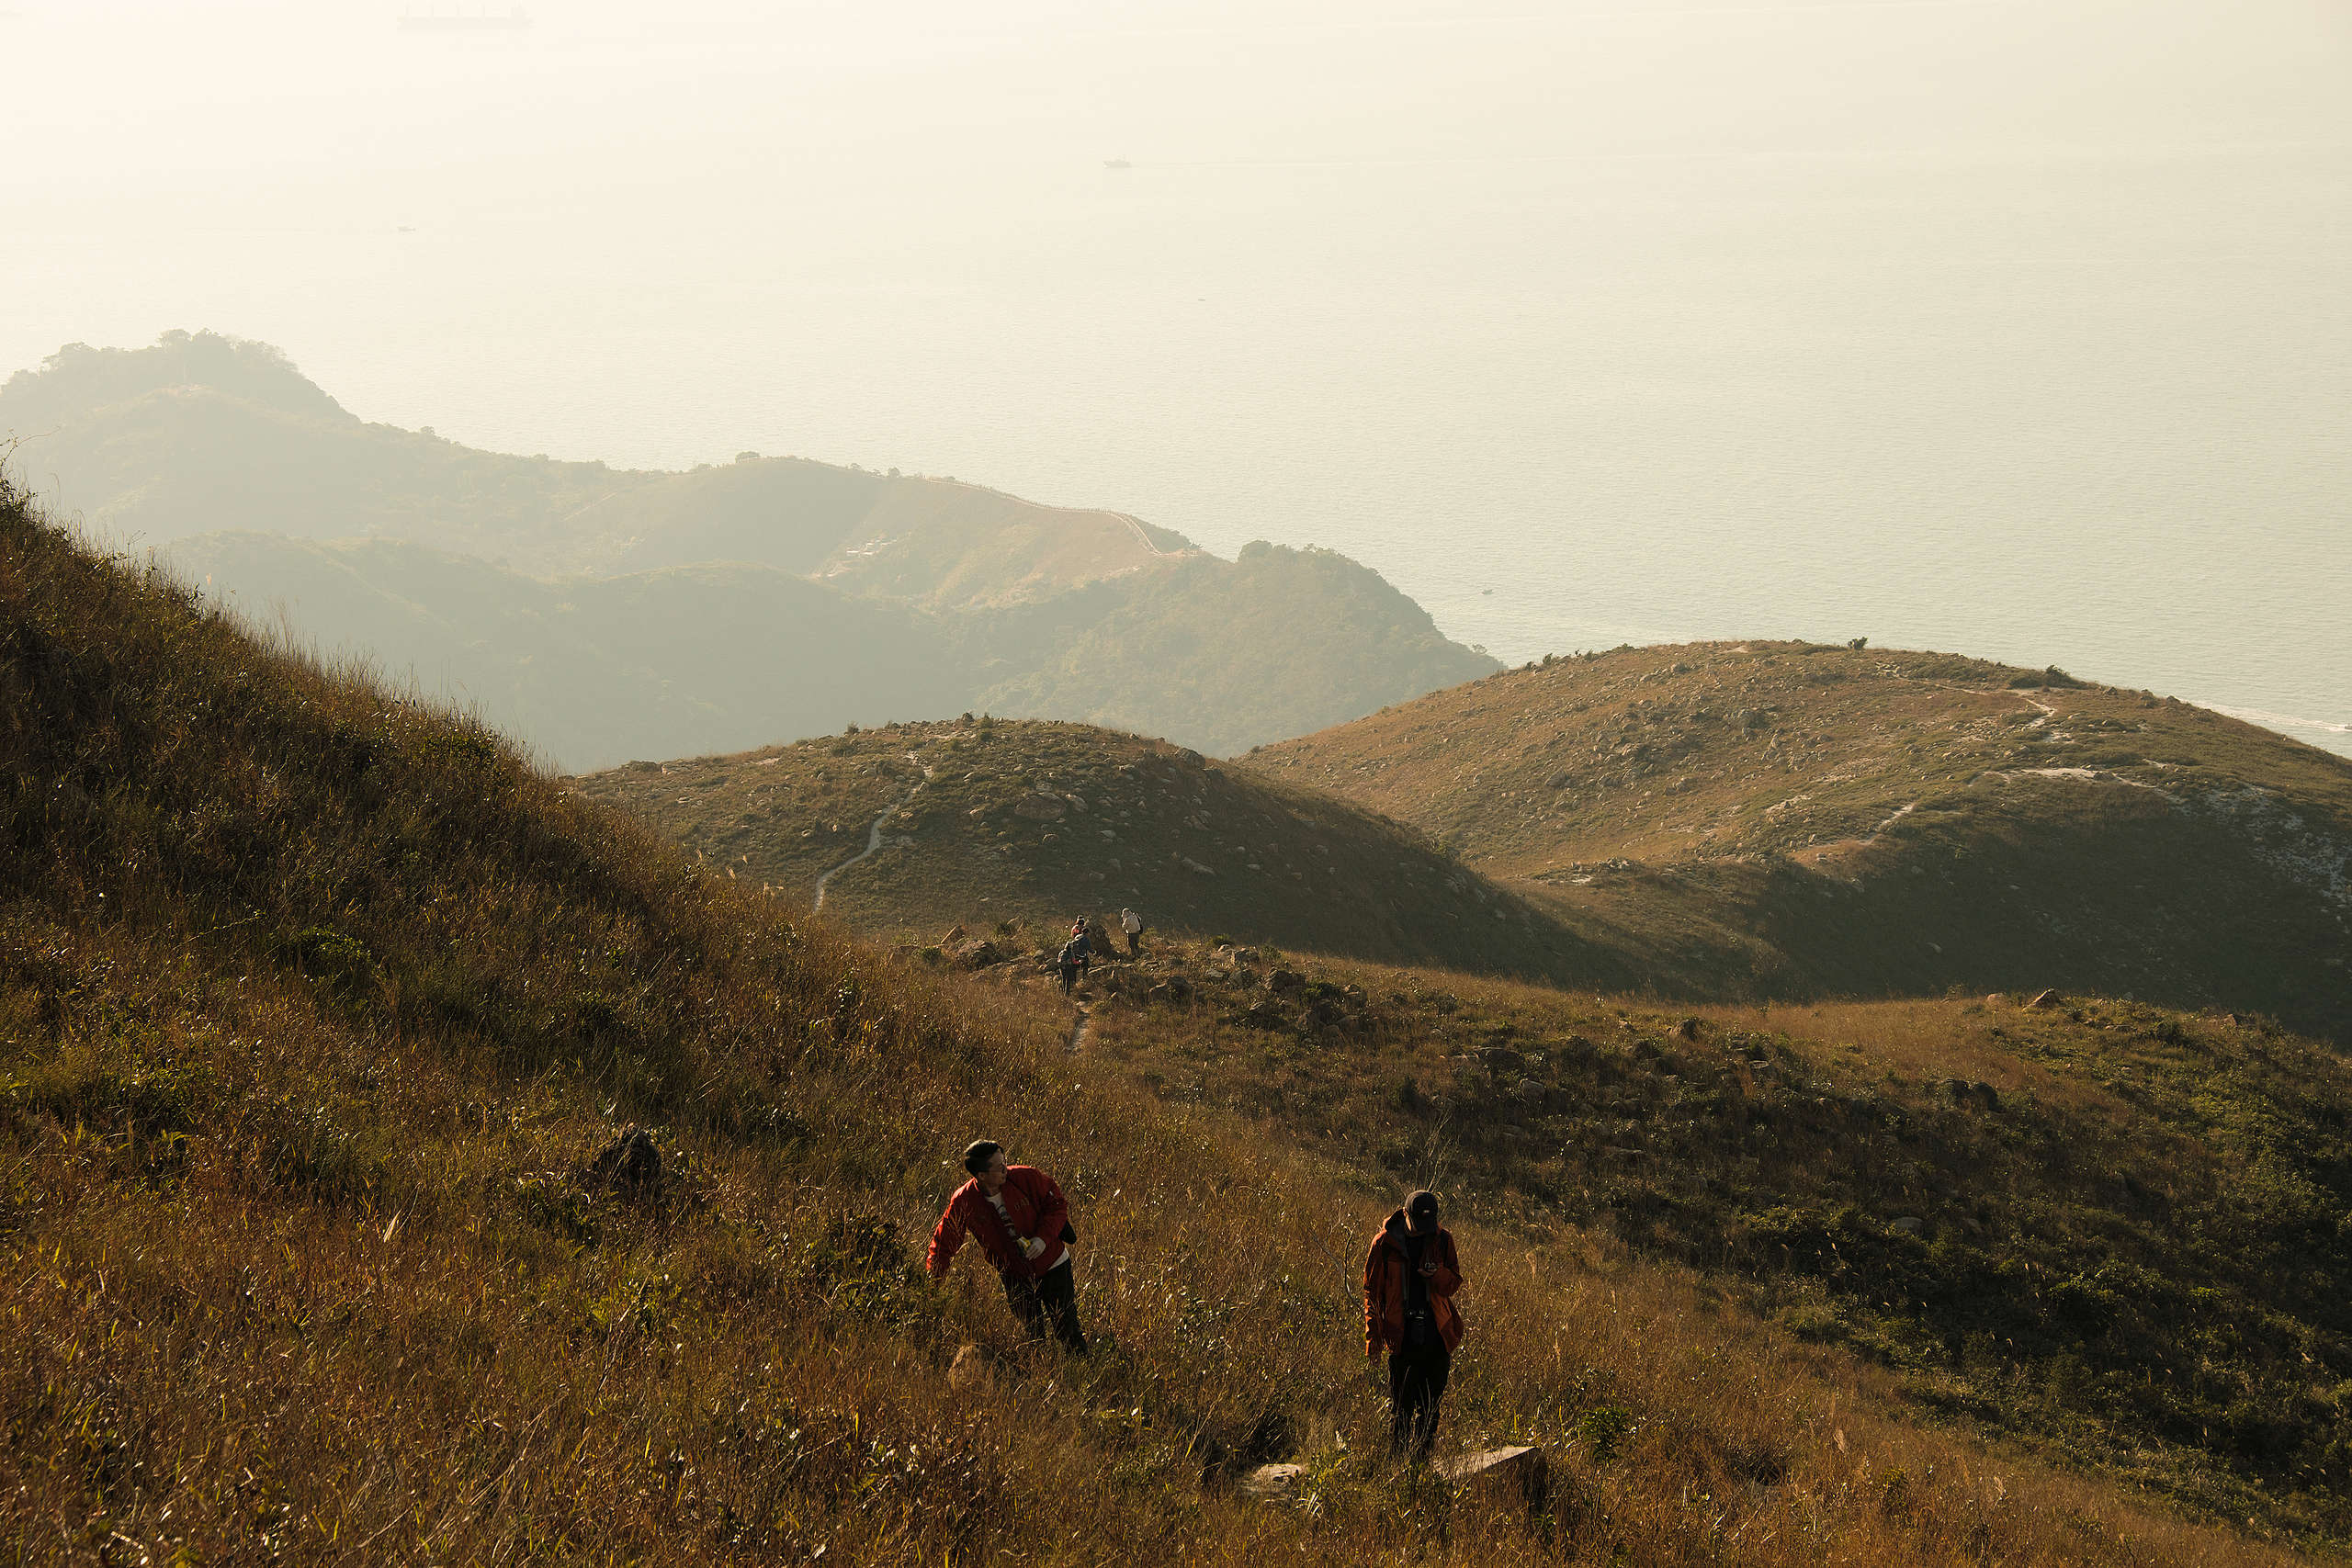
x=1790 y=820
x=984 y=822
x=602 y=615
x=2110 y=1231
x=317 y=1008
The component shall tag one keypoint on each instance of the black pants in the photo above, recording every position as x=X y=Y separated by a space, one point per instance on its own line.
x=1416 y=1383
x=1135 y=945
x=1053 y=1298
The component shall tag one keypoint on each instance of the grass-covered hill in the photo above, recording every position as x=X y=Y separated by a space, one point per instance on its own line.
x=1800 y=819
x=758 y=592
x=200 y=432
x=669 y=661
x=987 y=821
x=321 y=1023
x=2100 y=1229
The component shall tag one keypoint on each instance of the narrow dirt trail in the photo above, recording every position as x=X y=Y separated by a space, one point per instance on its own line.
x=873 y=835
x=1080 y=1027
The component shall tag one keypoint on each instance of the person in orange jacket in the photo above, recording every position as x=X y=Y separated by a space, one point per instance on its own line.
x=1022 y=1220
x=1409 y=1278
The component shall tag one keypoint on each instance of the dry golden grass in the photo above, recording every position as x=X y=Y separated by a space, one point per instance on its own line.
x=313 y=1009
x=2129 y=1254
x=1806 y=821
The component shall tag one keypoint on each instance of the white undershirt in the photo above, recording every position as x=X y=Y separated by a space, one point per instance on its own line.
x=1002 y=1214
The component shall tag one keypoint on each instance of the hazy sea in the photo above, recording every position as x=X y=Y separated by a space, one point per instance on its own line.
x=2022 y=331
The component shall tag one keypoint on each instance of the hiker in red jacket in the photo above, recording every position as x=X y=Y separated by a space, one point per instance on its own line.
x=1409 y=1278
x=1022 y=1220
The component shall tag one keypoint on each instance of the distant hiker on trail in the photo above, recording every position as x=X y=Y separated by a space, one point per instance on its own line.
x=1075 y=954
x=1022 y=1221
x=1132 y=923
x=1409 y=1278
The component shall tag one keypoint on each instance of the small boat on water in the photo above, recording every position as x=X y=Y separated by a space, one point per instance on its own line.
x=1116 y=164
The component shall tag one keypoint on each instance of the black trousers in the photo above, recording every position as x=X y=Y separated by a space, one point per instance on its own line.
x=1052 y=1299
x=1416 y=1383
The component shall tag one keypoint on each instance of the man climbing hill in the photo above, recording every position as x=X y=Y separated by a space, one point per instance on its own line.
x=1022 y=1221
x=1409 y=1278
x=1074 y=955
x=1132 y=924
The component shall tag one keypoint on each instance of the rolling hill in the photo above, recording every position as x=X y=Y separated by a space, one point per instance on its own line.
x=412 y=1162
x=478 y=573
x=1794 y=819
x=2103 y=1230
x=983 y=822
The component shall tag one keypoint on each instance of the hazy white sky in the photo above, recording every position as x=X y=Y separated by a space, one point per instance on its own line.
x=113 y=97
x=1582 y=321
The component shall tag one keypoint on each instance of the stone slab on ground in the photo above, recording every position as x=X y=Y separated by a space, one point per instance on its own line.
x=1523 y=1474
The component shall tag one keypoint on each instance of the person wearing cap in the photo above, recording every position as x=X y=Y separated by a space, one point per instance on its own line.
x=1132 y=924
x=1022 y=1220
x=1409 y=1278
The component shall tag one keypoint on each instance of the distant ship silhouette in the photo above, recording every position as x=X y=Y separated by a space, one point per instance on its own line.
x=437 y=21
x=1116 y=164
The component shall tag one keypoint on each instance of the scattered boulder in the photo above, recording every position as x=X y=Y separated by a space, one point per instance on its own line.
x=1501 y=1059
x=1041 y=807
x=2043 y=999
x=956 y=933
x=1285 y=980
x=1909 y=1224
x=630 y=1164
x=1272 y=1480
x=980 y=954
x=967 y=1370
x=1514 y=1474
x=1266 y=1013
x=1688 y=1028
x=1987 y=1095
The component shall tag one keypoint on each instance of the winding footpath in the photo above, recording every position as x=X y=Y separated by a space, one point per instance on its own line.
x=873 y=836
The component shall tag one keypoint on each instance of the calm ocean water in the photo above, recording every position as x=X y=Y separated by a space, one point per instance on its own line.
x=2018 y=330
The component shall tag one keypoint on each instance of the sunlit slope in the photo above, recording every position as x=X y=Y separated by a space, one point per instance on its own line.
x=320 y=1018
x=200 y=432
x=2110 y=1231
x=982 y=821
x=1792 y=818
x=931 y=542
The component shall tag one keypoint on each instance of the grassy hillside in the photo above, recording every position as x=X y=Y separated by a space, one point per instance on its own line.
x=679 y=660
x=316 y=1013
x=1224 y=654
x=931 y=542
x=1794 y=819
x=989 y=821
x=484 y=571
x=201 y=433
x=2111 y=1232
